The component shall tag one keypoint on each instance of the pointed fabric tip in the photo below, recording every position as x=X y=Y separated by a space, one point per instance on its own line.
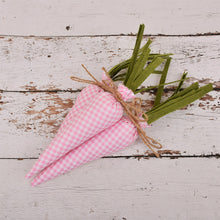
x=34 y=183
x=111 y=140
x=28 y=176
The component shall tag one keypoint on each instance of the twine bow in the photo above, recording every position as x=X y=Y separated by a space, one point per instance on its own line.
x=133 y=110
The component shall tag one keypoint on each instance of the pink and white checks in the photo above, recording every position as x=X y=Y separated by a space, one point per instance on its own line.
x=112 y=139
x=84 y=98
x=100 y=113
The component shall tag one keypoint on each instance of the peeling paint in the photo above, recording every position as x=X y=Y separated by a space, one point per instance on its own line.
x=42 y=114
x=170 y=152
x=163 y=152
x=149 y=154
x=216 y=84
x=147 y=105
x=207 y=97
x=209 y=102
x=46 y=38
x=55 y=106
x=29 y=87
x=1 y=102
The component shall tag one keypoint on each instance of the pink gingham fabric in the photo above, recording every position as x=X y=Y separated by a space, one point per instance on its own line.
x=118 y=136
x=100 y=114
x=87 y=95
x=84 y=98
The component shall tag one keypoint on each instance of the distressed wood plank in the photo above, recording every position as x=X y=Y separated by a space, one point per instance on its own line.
x=33 y=63
x=30 y=120
x=54 y=17
x=109 y=188
x=116 y=189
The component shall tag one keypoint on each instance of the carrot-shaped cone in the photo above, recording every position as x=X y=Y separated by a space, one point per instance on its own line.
x=100 y=114
x=111 y=140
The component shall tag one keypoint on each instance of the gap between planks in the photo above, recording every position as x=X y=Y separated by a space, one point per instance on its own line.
x=79 y=90
x=138 y=157
x=119 y=35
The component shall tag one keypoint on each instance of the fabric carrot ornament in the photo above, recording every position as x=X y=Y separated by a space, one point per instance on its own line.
x=98 y=115
x=118 y=136
x=135 y=73
x=109 y=141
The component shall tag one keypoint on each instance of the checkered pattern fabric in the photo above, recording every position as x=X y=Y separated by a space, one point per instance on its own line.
x=113 y=139
x=101 y=112
x=84 y=98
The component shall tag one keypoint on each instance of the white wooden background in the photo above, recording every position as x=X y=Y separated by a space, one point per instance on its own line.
x=42 y=44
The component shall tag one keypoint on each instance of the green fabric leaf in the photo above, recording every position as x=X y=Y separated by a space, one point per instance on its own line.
x=180 y=94
x=146 y=73
x=135 y=52
x=183 y=78
x=162 y=81
x=139 y=65
x=178 y=103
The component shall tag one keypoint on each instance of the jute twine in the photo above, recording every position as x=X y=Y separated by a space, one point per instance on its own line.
x=133 y=110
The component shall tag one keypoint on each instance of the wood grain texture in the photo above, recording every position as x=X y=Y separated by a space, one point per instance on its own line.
x=33 y=118
x=67 y=18
x=116 y=189
x=33 y=63
x=36 y=93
